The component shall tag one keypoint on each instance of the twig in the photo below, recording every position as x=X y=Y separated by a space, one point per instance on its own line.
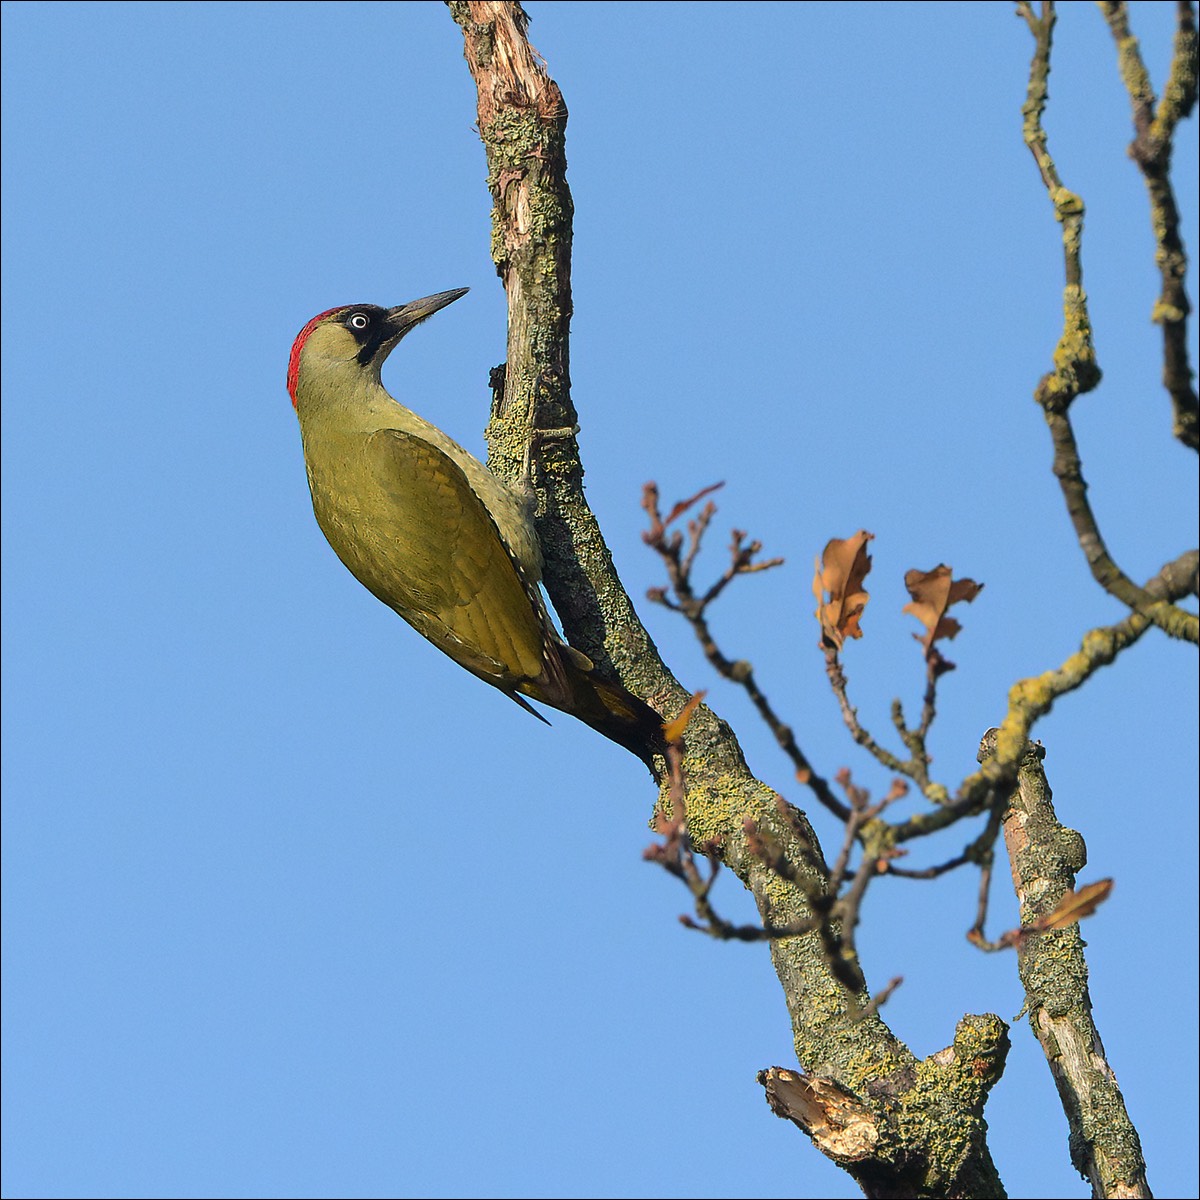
x=1030 y=699
x=881 y=997
x=669 y=547
x=837 y=681
x=1076 y=370
x=916 y=766
x=979 y=851
x=1151 y=149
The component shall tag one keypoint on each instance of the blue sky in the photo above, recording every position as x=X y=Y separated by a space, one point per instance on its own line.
x=294 y=907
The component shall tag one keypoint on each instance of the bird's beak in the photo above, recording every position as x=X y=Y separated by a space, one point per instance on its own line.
x=405 y=316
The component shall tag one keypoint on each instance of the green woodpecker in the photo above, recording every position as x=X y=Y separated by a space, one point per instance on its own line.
x=431 y=532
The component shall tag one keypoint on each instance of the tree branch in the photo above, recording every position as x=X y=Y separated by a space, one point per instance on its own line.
x=1031 y=699
x=1151 y=148
x=522 y=119
x=1075 y=368
x=1045 y=856
x=694 y=608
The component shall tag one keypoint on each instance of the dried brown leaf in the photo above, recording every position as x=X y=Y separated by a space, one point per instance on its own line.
x=932 y=594
x=683 y=505
x=840 y=573
x=1071 y=909
x=673 y=730
x=1074 y=906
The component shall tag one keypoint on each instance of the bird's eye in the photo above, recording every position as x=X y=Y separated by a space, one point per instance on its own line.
x=358 y=321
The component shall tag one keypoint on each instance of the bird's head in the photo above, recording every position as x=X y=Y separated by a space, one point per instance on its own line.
x=357 y=337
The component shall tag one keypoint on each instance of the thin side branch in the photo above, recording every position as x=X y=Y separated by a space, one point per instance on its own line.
x=1076 y=370
x=669 y=545
x=1031 y=699
x=1154 y=123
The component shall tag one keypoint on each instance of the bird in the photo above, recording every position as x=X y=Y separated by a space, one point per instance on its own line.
x=425 y=527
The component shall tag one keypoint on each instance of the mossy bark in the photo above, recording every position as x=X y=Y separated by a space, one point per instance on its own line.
x=929 y=1137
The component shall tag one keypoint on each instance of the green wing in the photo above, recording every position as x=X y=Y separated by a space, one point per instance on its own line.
x=425 y=544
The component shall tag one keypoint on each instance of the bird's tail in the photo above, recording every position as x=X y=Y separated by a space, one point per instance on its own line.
x=626 y=720
x=607 y=707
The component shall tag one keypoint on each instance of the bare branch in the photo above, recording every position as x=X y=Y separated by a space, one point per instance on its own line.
x=1030 y=699
x=1154 y=125
x=1045 y=856
x=669 y=547
x=1075 y=368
